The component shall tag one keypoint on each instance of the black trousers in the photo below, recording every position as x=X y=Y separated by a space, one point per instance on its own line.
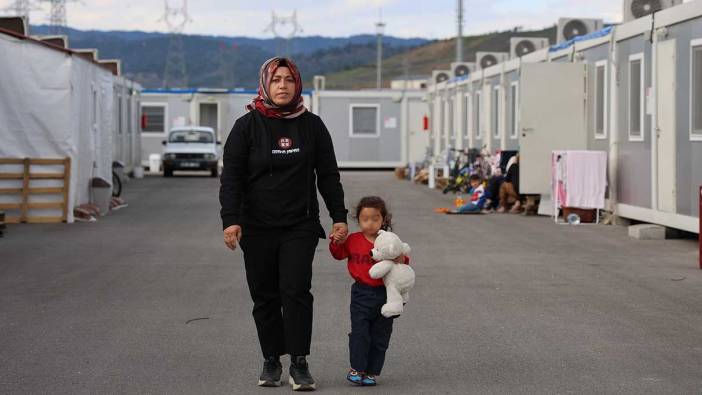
x=279 y=273
x=370 y=331
x=493 y=191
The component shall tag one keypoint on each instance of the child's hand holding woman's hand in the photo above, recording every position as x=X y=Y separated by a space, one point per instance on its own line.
x=340 y=233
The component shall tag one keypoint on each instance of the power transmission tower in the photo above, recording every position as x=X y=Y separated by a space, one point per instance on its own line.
x=20 y=8
x=57 y=15
x=174 y=74
x=284 y=38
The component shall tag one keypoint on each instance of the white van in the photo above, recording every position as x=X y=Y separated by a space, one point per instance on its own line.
x=191 y=148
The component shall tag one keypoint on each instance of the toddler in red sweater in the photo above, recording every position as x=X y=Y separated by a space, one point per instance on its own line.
x=370 y=330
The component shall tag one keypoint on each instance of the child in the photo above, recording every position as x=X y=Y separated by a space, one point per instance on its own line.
x=370 y=331
x=477 y=196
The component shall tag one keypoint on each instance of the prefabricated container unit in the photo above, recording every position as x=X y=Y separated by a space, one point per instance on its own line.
x=461 y=100
x=54 y=104
x=374 y=128
x=633 y=90
x=163 y=109
x=464 y=101
x=126 y=135
x=510 y=89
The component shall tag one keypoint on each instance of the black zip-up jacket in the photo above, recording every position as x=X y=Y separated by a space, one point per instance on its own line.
x=270 y=170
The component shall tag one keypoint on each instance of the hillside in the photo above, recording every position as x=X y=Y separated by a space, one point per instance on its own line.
x=228 y=62
x=423 y=59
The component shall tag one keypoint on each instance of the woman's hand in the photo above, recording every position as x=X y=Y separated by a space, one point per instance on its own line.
x=400 y=259
x=340 y=232
x=232 y=235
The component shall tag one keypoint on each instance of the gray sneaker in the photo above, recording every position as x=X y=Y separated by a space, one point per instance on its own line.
x=300 y=377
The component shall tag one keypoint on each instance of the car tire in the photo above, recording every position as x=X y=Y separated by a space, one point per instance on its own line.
x=167 y=172
x=214 y=172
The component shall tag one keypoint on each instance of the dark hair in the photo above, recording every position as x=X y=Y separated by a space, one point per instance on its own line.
x=377 y=203
x=475 y=177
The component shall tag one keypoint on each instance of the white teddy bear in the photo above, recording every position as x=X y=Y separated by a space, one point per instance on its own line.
x=398 y=278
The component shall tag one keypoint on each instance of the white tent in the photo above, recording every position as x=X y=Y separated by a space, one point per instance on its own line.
x=56 y=104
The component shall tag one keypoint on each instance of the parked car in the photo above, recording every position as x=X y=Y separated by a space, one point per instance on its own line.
x=191 y=148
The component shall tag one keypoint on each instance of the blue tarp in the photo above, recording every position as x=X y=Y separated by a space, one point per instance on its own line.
x=600 y=33
x=461 y=78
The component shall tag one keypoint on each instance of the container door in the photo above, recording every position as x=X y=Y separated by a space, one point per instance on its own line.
x=552 y=117
x=665 y=132
x=209 y=116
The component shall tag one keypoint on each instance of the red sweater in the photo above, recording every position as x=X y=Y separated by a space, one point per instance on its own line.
x=358 y=251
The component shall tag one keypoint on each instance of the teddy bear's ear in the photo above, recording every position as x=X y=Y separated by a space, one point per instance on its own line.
x=380 y=232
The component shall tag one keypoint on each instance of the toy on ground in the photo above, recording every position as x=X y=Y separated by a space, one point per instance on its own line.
x=398 y=278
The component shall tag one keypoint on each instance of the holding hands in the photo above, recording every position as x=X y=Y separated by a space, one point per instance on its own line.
x=340 y=232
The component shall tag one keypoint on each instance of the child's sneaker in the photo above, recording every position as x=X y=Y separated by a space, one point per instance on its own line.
x=354 y=377
x=368 y=380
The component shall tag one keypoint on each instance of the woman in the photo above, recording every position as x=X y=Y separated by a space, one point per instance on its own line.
x=268 y=195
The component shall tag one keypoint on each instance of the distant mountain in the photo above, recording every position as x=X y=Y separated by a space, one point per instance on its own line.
x=228 y=62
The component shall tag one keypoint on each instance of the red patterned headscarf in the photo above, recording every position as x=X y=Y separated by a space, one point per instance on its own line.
x=263 y=103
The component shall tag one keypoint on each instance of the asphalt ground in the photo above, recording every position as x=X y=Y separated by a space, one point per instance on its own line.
x=503 y=304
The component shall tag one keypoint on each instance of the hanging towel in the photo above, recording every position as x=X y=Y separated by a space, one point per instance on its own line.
x=586 y=179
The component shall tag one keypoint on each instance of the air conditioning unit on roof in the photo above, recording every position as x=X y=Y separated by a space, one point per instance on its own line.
x=439 y=76
x=487 y=59
x=462 y=69
x=569 y=28
x=634 y=9
x=520 y=46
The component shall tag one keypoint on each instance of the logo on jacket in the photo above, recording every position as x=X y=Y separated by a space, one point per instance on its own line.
x=285 y=143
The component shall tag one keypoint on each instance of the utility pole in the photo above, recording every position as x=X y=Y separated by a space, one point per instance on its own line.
x=175 y=74
x=380 y=30
x=226 y=65
x=405 y=70
x=459 y=37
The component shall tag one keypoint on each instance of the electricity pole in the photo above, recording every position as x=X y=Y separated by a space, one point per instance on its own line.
x=459 y=38
x=380 y=30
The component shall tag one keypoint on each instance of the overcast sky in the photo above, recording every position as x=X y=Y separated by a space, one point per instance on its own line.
x=336 y=18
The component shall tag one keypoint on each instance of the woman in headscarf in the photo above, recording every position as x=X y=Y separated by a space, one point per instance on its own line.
x=275 y=158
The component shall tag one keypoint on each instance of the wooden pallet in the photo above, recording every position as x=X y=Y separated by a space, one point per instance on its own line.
x=26 y=176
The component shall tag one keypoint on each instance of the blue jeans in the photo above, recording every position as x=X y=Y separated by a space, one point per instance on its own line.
x=468 y=208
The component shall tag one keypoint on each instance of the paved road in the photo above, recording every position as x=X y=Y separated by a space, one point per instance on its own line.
x=503 y=304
